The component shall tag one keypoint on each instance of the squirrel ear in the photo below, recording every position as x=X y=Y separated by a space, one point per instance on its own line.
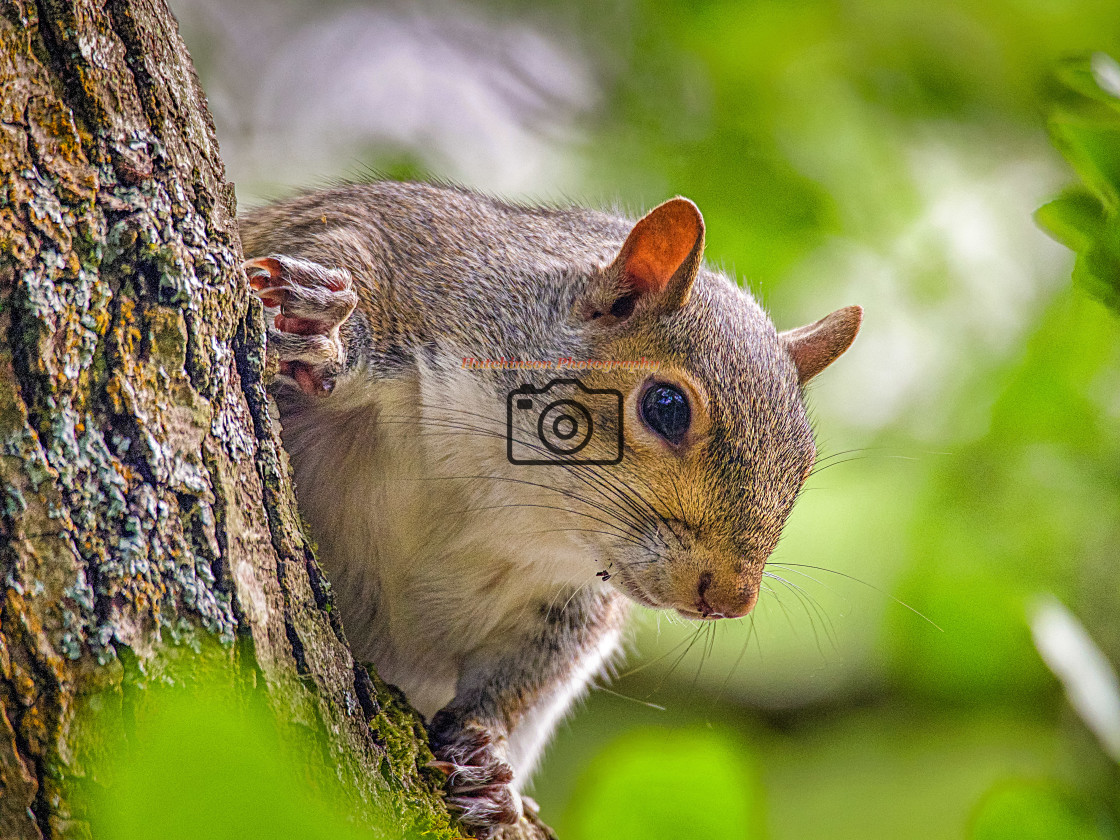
x=657 y=263
x=816 y=346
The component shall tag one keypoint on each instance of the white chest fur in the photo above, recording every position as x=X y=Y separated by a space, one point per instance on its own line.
x=435 y=545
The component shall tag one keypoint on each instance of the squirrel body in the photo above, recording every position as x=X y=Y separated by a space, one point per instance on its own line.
x=484 y=570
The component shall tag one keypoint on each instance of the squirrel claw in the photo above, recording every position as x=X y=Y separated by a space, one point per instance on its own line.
x=486 y=810
x=307 y=303
x=478 y=779
x=444 y=767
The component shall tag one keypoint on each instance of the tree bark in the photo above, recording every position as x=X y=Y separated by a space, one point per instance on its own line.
x=146 y=503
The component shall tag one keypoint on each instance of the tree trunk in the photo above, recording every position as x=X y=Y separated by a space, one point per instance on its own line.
x=146 y=501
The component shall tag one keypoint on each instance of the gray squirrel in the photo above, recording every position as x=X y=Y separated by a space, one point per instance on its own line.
x=491 y=585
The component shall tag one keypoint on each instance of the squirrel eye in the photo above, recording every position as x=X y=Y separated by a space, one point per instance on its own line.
x=665 y=410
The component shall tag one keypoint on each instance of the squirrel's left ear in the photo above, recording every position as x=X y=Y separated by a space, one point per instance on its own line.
x=655 y=268
x=816 y=346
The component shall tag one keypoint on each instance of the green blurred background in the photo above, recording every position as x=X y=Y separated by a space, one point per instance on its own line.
x=883 y=153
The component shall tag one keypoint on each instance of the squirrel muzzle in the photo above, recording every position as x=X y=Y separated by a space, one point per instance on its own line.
x=705 y=585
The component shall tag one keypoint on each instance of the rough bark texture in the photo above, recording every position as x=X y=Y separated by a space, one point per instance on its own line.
x=145 y=499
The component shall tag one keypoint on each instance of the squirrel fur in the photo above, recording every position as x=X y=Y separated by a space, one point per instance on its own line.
x=492 y=592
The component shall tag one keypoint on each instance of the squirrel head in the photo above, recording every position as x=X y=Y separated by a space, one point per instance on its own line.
x=715 y=442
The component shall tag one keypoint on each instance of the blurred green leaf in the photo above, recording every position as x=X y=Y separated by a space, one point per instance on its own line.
x=1093 y=77
x=200 y=764
x=1075 y=218
x=1084 y=123
x=1026 y=810
x=1092 y=147
x=660 y=784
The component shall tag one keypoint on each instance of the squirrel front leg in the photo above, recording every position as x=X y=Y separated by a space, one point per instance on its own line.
x=523 y=681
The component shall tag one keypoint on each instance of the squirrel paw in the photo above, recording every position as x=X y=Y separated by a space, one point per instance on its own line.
x=478 y=780
x=306 y=303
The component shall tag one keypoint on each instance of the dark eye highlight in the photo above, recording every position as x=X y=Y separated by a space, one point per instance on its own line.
x=664 y=408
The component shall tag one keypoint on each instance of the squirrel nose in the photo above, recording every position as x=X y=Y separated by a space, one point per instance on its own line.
x=722 y=602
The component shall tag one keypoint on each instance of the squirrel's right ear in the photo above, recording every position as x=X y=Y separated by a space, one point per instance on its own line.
x=815 y=346
x=656 y=266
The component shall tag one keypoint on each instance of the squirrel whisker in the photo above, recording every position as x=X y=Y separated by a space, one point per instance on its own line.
x=812 y=609
x=599 y=478
x=792 y=567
